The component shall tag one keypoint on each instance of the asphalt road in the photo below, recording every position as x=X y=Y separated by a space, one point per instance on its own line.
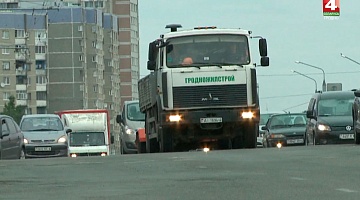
x=313 y=172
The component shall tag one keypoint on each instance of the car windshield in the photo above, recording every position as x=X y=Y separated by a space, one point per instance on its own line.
x=287 y=120
x=87 y=139
x=41 y=124
x=264 y=118
x=206 y=50
x=335 y=107
x=133 y=112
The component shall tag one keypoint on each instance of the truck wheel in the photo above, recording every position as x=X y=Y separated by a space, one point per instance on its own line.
x=166 y=141
x=250 y=131
x=141 y=146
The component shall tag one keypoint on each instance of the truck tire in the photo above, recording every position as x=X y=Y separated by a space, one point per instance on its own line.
x=141 y=146
x=166 y=140
x=357 y=137
x=250 y=134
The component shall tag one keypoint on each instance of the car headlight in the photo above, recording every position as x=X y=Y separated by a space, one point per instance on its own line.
x=129 y=131
x=277 y=136
x=323 y=127
x=62 y=139
x=26 y=141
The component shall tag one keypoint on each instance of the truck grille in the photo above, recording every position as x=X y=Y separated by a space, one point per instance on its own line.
x=214 y=95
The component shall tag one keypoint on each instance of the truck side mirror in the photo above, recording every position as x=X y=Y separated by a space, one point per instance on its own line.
x=151 y=65
x=264 y=61
x=68 y=131
x=262 y=47
x=357 y=93
x=119 y=119
x=112 y=139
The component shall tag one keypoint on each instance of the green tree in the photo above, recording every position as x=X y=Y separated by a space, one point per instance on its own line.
x=14 y=111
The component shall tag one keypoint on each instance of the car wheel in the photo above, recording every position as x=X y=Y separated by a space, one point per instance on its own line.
x=22 y=154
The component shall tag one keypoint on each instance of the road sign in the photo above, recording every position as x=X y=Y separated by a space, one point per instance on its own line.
x=334 y=87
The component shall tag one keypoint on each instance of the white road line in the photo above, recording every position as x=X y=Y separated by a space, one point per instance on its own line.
x=135 y=162
x=346 y=190
x=297 y=178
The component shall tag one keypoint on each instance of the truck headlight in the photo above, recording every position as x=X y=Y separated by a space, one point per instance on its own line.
x=175 y=118
x=323 y=127
x=62 y=139
x=247 y=115
x=129 y=131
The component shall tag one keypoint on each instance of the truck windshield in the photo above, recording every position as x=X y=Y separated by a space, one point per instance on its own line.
x=87 y=139
x=41 y=124
x=133 y=112
x=205 y=50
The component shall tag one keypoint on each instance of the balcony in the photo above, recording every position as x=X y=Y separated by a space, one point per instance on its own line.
x=20 y=56
x=40 y=56
x=21 y=102
x=21 y=87
x=41 y=103
x=20 y=41
x=41 y=87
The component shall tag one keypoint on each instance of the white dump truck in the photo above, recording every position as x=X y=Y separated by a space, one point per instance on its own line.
x=202 y=90
x=90 y=131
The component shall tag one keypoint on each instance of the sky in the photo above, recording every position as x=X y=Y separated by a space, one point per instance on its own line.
x=295 y=31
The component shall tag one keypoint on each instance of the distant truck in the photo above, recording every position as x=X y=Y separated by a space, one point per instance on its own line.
x=202 y=90
x=90 y=131
x=130 y=120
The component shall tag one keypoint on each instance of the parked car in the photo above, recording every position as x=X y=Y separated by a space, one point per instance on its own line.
x=44 y=136
x=11 y=139
x=356 y=116
x=330 y=118
x=130 y=120
x=263 y=119
x=287 y=129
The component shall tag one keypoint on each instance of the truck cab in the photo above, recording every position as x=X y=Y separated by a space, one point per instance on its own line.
x=202 y=87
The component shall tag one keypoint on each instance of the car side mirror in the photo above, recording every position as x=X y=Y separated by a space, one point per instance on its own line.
x=263 y=128
x=68 y=131
x=119 y=119
x=310 y=114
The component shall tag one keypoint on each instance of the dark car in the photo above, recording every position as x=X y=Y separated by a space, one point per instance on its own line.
x=287 y=129
x=330 y=118
x=11 y=139
x=356 y=116
x=45 y=136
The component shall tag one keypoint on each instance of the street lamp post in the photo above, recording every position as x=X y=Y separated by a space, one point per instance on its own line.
x=352 y=60
x=324 y=83
x=308 y=78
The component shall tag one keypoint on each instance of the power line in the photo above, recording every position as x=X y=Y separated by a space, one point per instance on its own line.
x=297 y=105
x=348 y=72
x=284 y=96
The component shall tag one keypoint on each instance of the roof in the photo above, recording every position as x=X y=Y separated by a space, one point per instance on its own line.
x=82 y=111
x=39 y=115
x=206 y=32
x=334 y=94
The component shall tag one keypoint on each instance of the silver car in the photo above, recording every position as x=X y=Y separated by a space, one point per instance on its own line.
x=11 y=139
x=44 y=136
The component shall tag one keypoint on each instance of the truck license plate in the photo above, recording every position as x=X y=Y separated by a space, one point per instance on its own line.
x=346 y=136
x=42 y=148
x=211 y=120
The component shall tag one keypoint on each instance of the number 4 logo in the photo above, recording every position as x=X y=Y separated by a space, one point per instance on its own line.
x=331 y=7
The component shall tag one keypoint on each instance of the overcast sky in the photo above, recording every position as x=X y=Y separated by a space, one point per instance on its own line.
x=295 y=30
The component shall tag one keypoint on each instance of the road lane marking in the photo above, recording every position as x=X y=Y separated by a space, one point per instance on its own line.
x=346 y=190
x=297 y=178
x=135 y=162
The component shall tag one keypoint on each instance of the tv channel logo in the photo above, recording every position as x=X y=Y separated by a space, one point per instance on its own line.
x=331 y=9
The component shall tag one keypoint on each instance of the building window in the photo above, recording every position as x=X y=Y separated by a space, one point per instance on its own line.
x=40 y=34
x=21 y=80
x=6 y=65
x=81 y=58
x=20 y=33
x=80 y=28
x=21 y=95
x=40 y=64
x=99 y=4
x=41 y=110
x=94 y=43
x=94 y=58
x=6 y=95
x=39 y=49
x=40 y=79
x=41 y=95
x=6 y=80
x=89 y=4
x=5 y=35
x=5 y=51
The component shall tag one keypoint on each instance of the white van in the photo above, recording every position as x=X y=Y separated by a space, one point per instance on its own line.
x=130 y=120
